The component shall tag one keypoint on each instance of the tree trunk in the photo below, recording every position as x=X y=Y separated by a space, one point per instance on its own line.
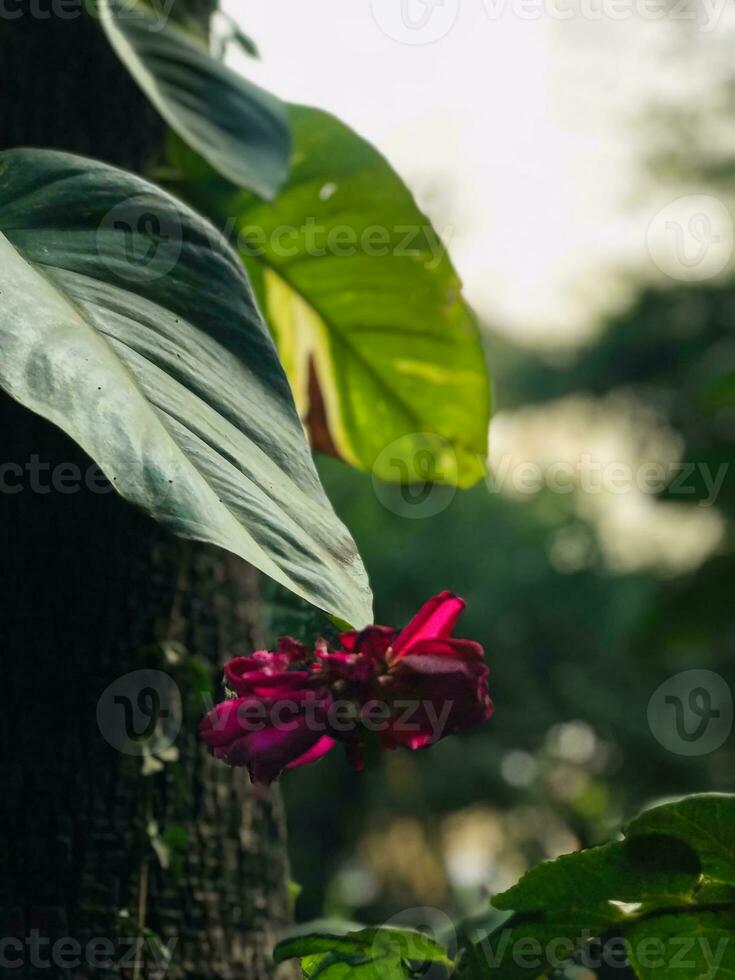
x=104 y=864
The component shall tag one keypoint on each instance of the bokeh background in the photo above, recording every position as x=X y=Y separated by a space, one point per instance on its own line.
x=579 y=160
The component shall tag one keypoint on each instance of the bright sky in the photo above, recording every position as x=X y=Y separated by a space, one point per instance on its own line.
x=517 y=127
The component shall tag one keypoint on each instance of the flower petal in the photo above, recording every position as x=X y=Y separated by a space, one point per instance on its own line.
x=436 y=618
x=268 y=752
x=251 y=675
x=273 y=750
x=222 y=724
x=316 y=752
x=449 y=648
x=440 y=696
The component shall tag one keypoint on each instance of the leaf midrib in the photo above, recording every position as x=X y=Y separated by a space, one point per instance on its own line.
x=392 y=396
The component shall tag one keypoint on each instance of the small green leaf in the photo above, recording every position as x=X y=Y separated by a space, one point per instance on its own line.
x=406 y=943
x=334 y=967
x=243 y=40
x=238 y=127
x=317 y=943
x=369 y=954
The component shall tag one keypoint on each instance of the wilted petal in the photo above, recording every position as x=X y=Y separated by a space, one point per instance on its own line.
x=448 y=696
x=295 y=652
x=354 y=671
x=316 y=752
x=373 y=641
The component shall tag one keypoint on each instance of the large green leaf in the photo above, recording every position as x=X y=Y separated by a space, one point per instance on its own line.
x=239 y=128
x=706 y=822
x=655 y=869
x=128 y=322
x=367 y=310
x=665 y=891
x=687 y=947
x=562 y=905
x=528 y=946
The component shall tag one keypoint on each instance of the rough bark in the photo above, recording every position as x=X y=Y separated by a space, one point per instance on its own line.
x=93 y=590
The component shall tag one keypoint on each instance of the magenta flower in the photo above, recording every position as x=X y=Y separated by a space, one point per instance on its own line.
x=277 y=718
x=410 y=687
x=435 y=684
